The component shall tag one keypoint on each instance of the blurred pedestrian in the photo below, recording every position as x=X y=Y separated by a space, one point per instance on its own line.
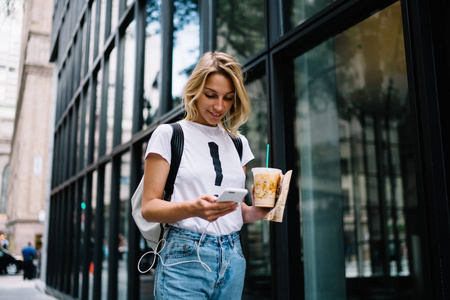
x=29 y=254
x=4 y=243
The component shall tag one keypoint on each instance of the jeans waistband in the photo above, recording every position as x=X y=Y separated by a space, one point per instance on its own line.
x=207 y=238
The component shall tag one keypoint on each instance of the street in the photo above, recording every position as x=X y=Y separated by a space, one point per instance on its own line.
x=15 y=288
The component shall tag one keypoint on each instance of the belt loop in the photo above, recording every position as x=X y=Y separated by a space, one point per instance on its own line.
x=231 y=241
x=201 y=241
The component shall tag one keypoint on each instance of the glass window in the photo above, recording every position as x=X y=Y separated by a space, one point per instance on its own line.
x=240 y=27
x=112 y=61
x=186 y=45
x=92 y=50
x=357 y=175
x=87 y=115
x=129 y=2
x=106 y=229
x=84 y=54
x=128 y=81
x=92 y=239
x=98 y=99
x=256 y=235
x=101 y=37
x=81 y=247
x=79 y=135
x=123 y=225
x=297 y=11
x=152 y=60
x=114 y=15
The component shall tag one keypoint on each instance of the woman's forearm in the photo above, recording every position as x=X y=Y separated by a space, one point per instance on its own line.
x=161 y=211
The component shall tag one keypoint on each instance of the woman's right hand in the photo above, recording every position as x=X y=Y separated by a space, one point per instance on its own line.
x=207 y=208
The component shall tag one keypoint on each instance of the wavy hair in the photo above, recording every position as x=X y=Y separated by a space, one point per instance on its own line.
x=212 y=63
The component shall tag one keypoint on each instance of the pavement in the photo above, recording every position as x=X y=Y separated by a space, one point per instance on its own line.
x=16 y=288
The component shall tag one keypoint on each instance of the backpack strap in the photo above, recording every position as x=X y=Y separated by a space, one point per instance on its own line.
x=238 y=144
x=177 y=145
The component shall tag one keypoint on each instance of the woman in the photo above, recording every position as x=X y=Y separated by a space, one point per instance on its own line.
x=202 y=257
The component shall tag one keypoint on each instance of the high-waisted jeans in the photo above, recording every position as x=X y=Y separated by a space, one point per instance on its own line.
x=221 y=254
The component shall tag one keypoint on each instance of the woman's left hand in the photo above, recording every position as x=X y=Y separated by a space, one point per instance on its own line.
x=253 y=213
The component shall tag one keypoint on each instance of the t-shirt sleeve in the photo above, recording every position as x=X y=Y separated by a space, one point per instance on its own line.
x=247 y=154
x=159 y=142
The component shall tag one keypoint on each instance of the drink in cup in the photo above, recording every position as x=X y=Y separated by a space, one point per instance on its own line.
x=266 y=182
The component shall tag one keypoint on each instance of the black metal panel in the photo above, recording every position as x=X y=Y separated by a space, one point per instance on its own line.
x=138 y=101
x=289 y=276
x=440 y=29
x=118 y=95
x=274 y=23
x=114 y=229
x=92 y=108
x=208 y=26
x=165 y=103
x=417 y=18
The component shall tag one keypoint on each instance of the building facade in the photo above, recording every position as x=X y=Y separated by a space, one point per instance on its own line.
x=28 y=185
x=348 y=94
x=10 y=37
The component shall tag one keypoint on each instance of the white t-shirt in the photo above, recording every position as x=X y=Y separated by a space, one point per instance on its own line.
x=197 y=174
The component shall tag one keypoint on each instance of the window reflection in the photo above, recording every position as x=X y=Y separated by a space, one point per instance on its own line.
x=112 y=61
x=256 y=235
x=92 y=51
x=125 y=169
x=83 y=40
x=356 y=164
x=186 y=45
x=297 y=11
x=114 y=14
x=129 y=2
x=79 y=142
x=240 y=27
x=106 y=230
x=102 y=29
x=152 y=61
x=82 y=246
x=374 y=112
x=98 y=101
x=87 y=109
x=92 y=238
x=128 y=81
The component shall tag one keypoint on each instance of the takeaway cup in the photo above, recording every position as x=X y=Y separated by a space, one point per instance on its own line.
x=266 y=182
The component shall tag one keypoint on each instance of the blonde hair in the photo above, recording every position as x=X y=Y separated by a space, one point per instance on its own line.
x=211 y=63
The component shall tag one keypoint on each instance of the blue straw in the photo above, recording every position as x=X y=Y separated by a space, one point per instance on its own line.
x=267 y=156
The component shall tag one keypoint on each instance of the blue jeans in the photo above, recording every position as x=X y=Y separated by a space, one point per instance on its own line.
x=222 y=255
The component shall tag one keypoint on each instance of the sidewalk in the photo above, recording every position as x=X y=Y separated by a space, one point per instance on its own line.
x=15 y=288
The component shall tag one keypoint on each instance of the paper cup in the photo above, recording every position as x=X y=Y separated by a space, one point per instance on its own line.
x=266 y=182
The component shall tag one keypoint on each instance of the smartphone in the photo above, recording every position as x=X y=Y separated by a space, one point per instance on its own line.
x=232 y=194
